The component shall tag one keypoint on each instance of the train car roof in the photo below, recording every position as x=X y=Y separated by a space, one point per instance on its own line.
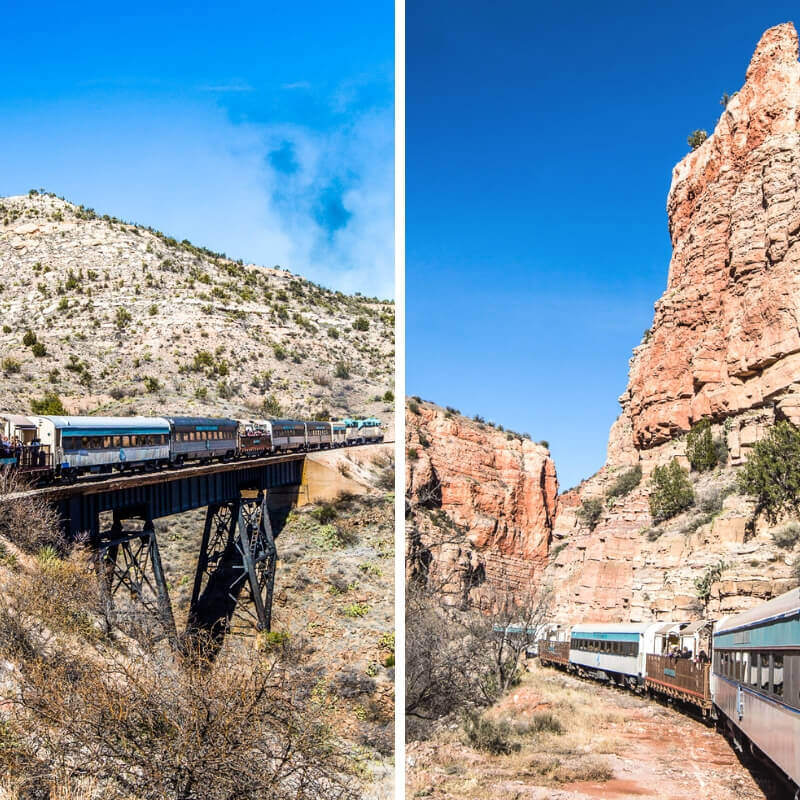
x=103 y=423
x=226 y=421
x=18 y=420
x=782 y=607
x=292 y=421
x=619 y=627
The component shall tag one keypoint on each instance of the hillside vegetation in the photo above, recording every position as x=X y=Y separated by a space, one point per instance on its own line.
x=114 y=317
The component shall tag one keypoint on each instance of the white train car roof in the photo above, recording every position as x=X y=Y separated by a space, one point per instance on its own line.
x=98 y=423
x=610 y=627
x=781 y=607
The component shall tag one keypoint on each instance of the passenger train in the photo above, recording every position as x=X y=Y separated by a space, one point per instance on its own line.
x=743 y=671
x=60 y=448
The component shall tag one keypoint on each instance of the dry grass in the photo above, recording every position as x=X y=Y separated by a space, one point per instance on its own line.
x=545 y=732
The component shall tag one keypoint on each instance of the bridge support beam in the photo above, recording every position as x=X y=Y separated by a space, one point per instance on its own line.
x=235 y=573
x=129 y=560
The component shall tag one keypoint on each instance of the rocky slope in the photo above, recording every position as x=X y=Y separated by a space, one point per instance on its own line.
x=129 y=318
x=497 y=489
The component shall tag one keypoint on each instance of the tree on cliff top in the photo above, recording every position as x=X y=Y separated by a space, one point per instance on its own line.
x=696 y=138
x=772 y=472
x=672 y=491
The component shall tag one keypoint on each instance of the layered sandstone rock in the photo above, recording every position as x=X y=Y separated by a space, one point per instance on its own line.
x=499 y=491
x=725 y=333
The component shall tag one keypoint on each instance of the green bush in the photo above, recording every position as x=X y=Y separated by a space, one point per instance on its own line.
x=361 y=324
x=772 y=472
x=50 y=404
x=29 y=339
x=412 y=454
x=413 y=407
x=700 y=448
x=324 y=514
x=696 y=138
x=10 y=366
x=590 y=512
x=123 y=318
x=271 y=407
x=704 y=583
x=388 y=396
x=280 y=352
x=152 y=384
x=787 y=536
x=491 y=737
x=342 y=370
x=626 y=482
x=39 y=350
x=672 y=491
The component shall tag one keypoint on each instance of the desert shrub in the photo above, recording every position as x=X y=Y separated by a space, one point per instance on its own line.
x=626 y=482
x=29 y=339
x=544 y=443
x=652 y=533
x=700 y=449
x=697 y=521
x=710 y=502
x=152 y=384
x=787 y=536
x=388 y=396
x=324 y=514
x=772 y=472
x=322 y=380
x=696 y=138
x=361 y=324
x=10 y=366
x=413 y=406
x=413 y=455
x=333 y=333
x=122 y=318
x=671 y=493
x=342 y=370
x=590 y=512
x=704 y=583
x=50 y=404
x=280 y=352
x=271 y=407
x=202 y=359
x=491 y=737
x=541 y=722
x=356 y=610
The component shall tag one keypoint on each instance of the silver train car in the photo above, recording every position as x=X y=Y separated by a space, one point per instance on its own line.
x=618 y=650
x=755 y=682
x=103 y=444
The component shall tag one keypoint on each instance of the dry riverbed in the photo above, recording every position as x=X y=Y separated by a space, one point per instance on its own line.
x=577 y=740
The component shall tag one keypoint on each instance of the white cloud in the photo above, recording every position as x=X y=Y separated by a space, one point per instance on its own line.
x=192 y=173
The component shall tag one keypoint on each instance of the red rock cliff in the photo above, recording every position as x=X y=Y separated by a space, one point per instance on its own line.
x=725 y=334
x=500 y=489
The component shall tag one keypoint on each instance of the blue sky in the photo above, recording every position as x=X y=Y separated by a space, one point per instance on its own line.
x=264 y=130
x=540 y=140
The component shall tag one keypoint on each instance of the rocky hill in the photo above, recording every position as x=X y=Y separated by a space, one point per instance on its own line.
x=120 y=317
x=723 y=347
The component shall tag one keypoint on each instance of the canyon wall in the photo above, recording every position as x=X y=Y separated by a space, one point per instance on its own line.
x=498 y=489
x=724 y=345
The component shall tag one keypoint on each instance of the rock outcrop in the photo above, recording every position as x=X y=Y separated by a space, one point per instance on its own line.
x=498 y=490
x=725 y=335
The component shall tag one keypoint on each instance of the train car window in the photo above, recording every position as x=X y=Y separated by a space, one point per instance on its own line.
x=96 y=443
x=135 y=440
x=777 y=674
x=84 y=442
x=753 y=678
x=764 y=672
